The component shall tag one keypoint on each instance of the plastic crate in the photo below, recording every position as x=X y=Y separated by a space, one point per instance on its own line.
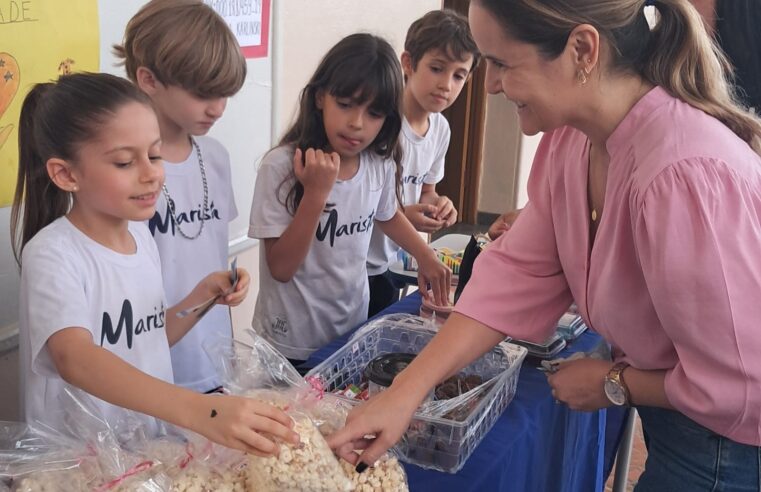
x=436 y=443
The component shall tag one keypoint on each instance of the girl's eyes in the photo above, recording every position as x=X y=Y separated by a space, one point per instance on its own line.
x=123 y=165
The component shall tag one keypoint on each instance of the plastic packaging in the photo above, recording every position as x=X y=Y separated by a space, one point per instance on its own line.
x=443 y=433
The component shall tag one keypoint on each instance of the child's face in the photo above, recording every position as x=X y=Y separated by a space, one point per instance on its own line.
x=119 y=174
x=350 y=126
x=190 y=113
x=437 y=81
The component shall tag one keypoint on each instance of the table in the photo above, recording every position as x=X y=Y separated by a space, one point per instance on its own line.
x=536 y=445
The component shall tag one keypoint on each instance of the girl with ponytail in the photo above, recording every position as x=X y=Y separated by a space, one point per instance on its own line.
x=645 y=209
x=93 y=311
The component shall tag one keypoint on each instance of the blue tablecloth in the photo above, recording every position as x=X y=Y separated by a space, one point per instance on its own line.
x=536 y=445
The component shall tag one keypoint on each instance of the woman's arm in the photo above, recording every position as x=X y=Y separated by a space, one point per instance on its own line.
x=318 y=173
x=459 y=342
x=430 y=269
x=580 y=385
x=235 y=422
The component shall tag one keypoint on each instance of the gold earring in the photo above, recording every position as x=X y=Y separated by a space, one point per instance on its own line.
x=581 y=75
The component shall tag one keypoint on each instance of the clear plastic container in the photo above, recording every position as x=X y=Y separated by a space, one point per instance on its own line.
x=547 y=350
x=433 y=442
x=571 y=326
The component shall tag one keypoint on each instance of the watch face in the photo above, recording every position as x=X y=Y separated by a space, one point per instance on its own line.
x=615 y=392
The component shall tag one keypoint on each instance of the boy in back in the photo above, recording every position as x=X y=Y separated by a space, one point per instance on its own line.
x=182 y=54
x=439 y=56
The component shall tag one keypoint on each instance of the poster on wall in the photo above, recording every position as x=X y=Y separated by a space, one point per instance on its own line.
x=249 y=20
x=39 y=40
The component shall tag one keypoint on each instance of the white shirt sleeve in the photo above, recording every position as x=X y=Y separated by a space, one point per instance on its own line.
x=56 y=298
x=442 y=135
x=269 y=215
x=387 y=204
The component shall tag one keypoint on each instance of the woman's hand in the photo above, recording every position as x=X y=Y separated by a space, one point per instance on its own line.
x=386 y=417
x=434 y=273
x=317 y=171
x=580 y=384
x=242 y=423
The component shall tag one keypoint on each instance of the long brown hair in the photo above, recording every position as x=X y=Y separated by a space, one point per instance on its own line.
x=677 y=54
x=365 y=68
x=56 y=118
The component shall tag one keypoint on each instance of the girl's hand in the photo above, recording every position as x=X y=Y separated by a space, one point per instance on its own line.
x=219 y=283
x=580 y=384
x=434 y=273
x=316 y=170
x=445 y=211
x=242 y=423
x=386 y=416
x=421 y=215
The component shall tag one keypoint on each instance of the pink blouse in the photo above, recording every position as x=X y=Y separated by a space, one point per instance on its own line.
x=674 y=278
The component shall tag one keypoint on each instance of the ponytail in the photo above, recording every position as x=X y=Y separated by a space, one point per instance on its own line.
x=56 y=119
x=686 y=63
x=36 y=202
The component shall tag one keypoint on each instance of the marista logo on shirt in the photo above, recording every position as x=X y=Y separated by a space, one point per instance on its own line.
x=127 y=327
x=196 y=214
x=332 y=227
x=416 y=180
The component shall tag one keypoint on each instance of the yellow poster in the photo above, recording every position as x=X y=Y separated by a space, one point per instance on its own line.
x=39 y=39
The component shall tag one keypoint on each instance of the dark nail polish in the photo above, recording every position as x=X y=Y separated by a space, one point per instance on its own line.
x=361 y=466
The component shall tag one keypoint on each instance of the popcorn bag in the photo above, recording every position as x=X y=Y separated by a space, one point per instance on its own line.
x=39 y=459
x=260 y=372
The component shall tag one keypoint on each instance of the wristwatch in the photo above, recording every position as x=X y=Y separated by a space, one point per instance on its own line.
x=615 y=387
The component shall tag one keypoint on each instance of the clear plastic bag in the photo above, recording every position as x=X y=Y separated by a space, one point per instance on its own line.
x=259 y=371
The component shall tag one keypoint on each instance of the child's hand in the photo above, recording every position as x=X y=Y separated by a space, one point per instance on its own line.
x=503 y=224
x=421 y=216
x=219 y=283
x=434 y=273
x=445 y=211
x=242 y=423
x=316 y=170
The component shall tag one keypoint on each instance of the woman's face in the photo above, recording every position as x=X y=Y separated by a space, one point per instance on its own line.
x=543 y=90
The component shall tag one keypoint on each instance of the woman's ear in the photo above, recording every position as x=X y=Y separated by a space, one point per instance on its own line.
x=146 y=80
x=60 y=173
x=584 y=46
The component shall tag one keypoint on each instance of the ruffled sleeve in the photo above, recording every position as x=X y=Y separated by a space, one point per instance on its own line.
x=518 y=286
x=697 y=230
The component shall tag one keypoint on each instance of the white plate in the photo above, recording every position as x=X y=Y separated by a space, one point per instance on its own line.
x=455 y=242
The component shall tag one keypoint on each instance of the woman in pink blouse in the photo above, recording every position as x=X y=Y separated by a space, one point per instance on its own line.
x=645 y=208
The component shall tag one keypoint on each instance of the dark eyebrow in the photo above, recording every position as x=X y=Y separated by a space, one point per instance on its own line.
x=494 y=59
x=127 y=147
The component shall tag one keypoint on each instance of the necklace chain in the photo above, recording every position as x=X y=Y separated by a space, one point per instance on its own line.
x=170 y=201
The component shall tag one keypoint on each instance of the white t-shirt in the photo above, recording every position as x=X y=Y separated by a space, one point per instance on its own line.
x=185 y=262
x=329 y=293
x=69 y=280
x=423 y=163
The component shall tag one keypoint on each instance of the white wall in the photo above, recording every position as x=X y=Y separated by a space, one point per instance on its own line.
x=305 y=30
